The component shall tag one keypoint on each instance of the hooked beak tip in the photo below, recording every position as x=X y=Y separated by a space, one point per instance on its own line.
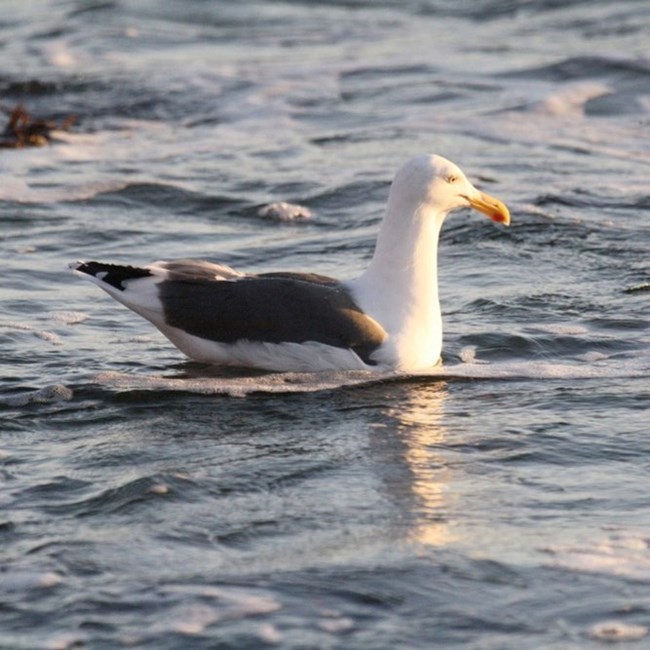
x=490 y=206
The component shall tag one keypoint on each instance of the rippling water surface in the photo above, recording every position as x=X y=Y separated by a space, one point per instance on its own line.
x=499 y=502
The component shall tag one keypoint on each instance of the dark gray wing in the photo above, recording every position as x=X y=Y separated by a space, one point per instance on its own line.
x=271 y=307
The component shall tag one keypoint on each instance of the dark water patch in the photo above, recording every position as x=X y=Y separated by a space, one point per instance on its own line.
x=616 y=104
x=426 y=595
x=8 y=529
x=326 y=117
x=246 y=538
x=394 y=84
x=574 y=200
x=537 y=308
x=229 y=19
x=125 y=500
x=581 y=198
x=612 y=29
x=619 y=324
x=294 y=191
x=575 y=231
x=170 y=197
x=585 y=67
x=643 y=203
x=27 y=218
x=110 y=241
x=409 y=91
x=92 y=7
x=473 y=229
x=357 y=193
x=555 y=442
x=375 y=134
x=639 y=288
x=379 y=73
x=499 y=347
x=105 y=101
x=567 y=304
x=505 y=311
x=440 y=97
x=53 y=491
x=58 y=97
x=319 y=251
x=489 y=10
x=483 y=449
x=18 y=89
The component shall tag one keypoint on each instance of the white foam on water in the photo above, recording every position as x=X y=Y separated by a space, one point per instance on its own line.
x=592 y=356
x=571 y=100
x=59 y=317
x=188 y=619
x=294 y=382
x=336 y=624
x=59 y=55
x=68 y=317
x=282 y=211
x=468 y=354
x=236 y=603
x=561 y=329
x=46 y=395
x=268 y=633
x=44 y=335
x=15 y=325
x=50 y=337
x=65 y=641
x=559 y=120
x=138 y=338
x=617 y=631
x=288 y=382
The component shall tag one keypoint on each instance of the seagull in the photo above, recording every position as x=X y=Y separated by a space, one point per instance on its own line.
x=388 y=318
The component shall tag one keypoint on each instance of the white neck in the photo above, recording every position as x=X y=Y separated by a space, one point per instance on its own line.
x=400 y=287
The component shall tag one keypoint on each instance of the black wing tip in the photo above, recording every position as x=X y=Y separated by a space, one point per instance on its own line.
x=113 y=274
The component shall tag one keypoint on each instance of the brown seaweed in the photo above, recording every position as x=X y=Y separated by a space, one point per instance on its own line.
x=24 y=130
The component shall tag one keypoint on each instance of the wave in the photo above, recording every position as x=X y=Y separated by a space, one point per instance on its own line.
x=290 y=382
x=46 y=395
x=584 y=67
x=240 y=383
x=19 y=191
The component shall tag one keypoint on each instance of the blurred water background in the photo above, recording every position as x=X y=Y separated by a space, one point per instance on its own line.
x=150 y=502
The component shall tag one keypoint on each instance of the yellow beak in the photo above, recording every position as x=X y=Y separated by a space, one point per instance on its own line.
x=493 y=208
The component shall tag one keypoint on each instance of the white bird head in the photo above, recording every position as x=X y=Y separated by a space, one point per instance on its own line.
x=430 y=183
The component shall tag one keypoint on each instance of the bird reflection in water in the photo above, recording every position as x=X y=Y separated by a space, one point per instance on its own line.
x=420 y=427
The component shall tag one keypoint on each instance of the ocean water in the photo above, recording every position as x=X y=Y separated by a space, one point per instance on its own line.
x=500 y=501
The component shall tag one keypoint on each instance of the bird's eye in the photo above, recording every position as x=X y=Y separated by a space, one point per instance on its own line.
x=451 y=178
